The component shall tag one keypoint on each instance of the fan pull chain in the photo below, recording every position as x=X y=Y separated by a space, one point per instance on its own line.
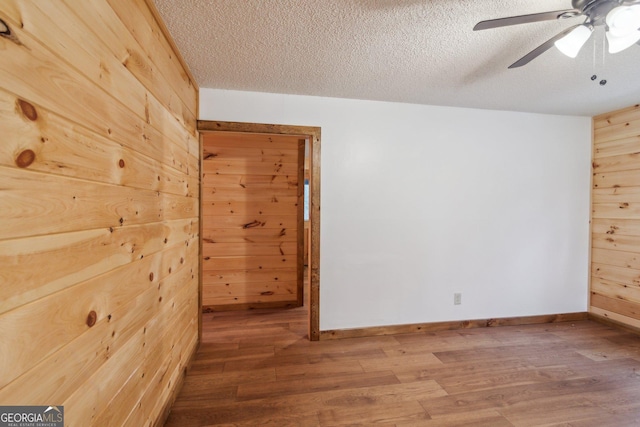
x=604 y=53
x=594 y=77
x=595 y=47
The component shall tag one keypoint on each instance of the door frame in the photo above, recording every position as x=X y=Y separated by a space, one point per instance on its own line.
x=313 y=134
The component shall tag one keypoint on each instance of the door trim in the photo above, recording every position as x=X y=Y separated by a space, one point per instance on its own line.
x=313 y=133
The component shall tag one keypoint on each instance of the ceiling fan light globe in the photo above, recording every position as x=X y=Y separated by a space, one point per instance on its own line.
x=618 y=44
x=571 y=44
x=623 y=20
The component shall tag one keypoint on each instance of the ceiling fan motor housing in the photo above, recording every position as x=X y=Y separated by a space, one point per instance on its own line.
x=597 y=10
x=621 y=19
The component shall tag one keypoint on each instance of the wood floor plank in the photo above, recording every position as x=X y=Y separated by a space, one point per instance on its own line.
x=600 y=379
x=490 y=418
x=394 y=393
x=444 y=371
x=297 y=358
x=278 y=388
x=225 y=415
x=315 y=370
x=289 y=409
x=501 y=377
x=472 y=402
x=205 y=367
x=529 y=353
x=288 y=420
x=604 y=420
x=258 y=368
x=380 y=414
x=199 y=398
x=230 y=355
x=224 y=379
x=400 y=362
x=552 y=410
x=372 y=346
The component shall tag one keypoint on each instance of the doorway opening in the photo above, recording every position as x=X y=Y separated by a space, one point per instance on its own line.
x=312 y=163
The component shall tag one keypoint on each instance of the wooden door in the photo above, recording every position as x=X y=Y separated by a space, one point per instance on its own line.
x=252 y=220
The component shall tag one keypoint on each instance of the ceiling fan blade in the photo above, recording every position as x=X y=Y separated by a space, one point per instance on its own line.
x=542 y=48
x=523 y=19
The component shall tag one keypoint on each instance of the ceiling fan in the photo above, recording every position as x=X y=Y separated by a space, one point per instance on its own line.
x=621 y=19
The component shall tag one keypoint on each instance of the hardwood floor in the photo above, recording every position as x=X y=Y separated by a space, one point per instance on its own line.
x=257 y=368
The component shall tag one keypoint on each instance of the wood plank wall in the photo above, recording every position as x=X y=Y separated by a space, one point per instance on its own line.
x=99 y=195
x=615 y=257
x=252 y=220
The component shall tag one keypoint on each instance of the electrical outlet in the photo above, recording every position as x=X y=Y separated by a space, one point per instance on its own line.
x=457 y=299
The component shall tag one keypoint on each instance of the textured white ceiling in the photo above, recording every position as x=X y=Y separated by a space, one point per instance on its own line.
x=415 y=51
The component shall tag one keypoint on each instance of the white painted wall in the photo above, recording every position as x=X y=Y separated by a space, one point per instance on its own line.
x=419 y=202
